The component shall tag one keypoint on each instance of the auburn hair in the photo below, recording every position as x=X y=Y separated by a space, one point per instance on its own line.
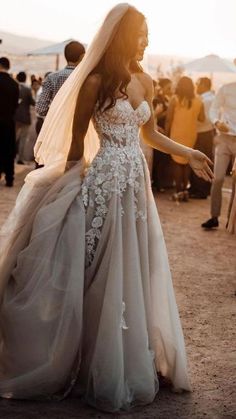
x=115 y=76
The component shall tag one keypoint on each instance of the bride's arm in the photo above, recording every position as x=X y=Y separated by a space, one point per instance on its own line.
x=197 y=160
x=84 y=109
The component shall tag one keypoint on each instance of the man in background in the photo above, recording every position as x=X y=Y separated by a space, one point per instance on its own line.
x=223 y=116
x=23 y=116
x=74 y=52
x=200 y=189
x=8 y=103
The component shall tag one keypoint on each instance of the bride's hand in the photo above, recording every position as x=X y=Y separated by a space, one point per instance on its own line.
x=200 y=164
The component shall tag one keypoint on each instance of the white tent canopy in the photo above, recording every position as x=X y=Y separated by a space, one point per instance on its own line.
x=211 y=64
x=53 y=49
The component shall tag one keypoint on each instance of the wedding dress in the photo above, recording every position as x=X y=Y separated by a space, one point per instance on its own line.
x=90 y=301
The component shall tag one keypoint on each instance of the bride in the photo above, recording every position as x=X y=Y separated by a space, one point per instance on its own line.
x=87 y=300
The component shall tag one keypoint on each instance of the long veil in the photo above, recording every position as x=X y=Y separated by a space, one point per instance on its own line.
x=52 y=147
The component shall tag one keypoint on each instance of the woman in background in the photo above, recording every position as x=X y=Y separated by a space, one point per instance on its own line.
x=184 y=111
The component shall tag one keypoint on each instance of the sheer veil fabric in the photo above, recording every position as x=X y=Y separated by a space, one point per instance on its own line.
x=53 y=144
x=107 y=328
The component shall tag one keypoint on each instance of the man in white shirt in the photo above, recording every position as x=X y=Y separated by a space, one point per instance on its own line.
x=200 y=189
x=223 y=116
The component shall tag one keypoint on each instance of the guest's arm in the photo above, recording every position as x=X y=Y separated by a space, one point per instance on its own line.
x=16 y=97
x=84 y=109
x=31 y=99
x=201 y=115
x=216 y=109
x=45 y=98
x=170 y=115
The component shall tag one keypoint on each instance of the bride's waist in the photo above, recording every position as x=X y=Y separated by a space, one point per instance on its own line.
x=120 y=146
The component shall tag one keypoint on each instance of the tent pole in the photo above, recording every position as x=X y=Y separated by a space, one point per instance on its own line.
x=212 y=78
x=57 y=61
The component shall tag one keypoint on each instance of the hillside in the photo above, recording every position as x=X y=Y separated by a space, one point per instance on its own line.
x=16 y=48
x=19 y=45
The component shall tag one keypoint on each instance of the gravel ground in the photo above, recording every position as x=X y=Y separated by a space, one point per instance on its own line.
x=203 y=265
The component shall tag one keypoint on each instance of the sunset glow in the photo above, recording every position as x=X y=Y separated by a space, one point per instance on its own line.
x=187 y=28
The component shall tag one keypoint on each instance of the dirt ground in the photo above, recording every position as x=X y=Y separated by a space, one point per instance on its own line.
x=203 y=265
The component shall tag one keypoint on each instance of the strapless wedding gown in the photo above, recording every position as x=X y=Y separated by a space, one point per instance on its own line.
x=89 y=304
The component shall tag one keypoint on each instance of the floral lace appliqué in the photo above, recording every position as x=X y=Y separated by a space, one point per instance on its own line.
x=123 y=324
x=117 y=166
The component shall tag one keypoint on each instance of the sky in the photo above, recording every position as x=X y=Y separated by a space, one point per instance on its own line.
x=189 y=28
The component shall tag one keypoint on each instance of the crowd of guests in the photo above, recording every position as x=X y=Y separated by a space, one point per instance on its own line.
x=189 y=114
x=196 y=117
x=182 y=113
x=23 y=107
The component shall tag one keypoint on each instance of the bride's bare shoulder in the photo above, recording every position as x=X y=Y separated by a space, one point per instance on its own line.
x=89 y=92
x=146 y=80
x=93 y=81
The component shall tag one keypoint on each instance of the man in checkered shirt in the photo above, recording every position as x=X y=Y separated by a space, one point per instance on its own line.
x=74 y=52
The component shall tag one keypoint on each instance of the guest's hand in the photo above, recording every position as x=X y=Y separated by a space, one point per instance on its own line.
x=201 y=165
x=222 y=126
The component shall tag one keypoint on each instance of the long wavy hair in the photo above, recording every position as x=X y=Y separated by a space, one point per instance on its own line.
x=112 y=67
x=185 y=91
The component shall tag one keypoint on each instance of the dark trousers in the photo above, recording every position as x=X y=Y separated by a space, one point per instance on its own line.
x=204 y=143
x=162 y=176
x=39 y=124
x=7 y=149
x=38 y=127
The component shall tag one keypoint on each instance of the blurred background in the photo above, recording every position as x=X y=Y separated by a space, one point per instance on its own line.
x=179 y=32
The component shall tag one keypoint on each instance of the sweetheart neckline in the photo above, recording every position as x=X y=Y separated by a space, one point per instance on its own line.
x=134 y=110
x=129 y=104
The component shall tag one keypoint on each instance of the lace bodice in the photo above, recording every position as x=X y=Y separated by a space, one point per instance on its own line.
x=117 y=166
x=119 y=126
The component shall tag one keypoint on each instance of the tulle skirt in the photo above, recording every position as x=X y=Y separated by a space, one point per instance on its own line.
x=105 y=328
